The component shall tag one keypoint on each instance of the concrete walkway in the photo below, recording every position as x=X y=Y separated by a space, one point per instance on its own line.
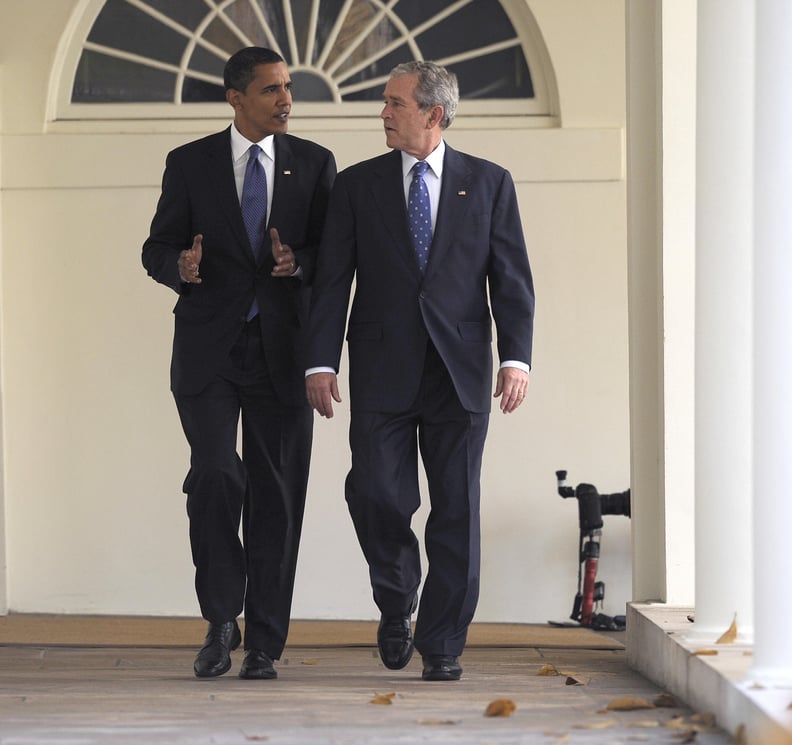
x=72 y=695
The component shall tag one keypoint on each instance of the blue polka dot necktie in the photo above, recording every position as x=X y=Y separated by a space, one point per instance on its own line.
x=254 y=208
x=419 y=214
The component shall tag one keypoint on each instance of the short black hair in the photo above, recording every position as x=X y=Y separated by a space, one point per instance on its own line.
x=240 y=69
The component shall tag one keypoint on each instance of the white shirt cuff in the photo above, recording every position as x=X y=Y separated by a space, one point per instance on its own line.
x=514 y=363
x=314 y=370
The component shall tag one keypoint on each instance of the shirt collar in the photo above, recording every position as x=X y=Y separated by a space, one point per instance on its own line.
x=241 y=144
x=434 y=159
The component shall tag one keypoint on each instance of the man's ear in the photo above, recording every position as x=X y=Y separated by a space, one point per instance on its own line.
x=435 y=116
x=232 y=96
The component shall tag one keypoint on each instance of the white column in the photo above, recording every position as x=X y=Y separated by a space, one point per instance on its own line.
x=724 y=166
x=773 y=343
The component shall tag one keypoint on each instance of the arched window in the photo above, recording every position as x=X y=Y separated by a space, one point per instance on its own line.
x=164 y=54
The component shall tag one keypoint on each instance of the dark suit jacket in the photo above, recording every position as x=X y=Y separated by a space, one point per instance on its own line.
x=199 y=196
x=477 y=257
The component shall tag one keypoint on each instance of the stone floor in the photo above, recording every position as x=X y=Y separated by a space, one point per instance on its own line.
x=71 y=695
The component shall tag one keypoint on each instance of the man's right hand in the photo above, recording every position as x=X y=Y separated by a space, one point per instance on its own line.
x=190 y=261
x=322 y=389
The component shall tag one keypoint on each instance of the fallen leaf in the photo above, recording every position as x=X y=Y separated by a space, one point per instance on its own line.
x=730 y=635
x=646 y=723
x=687 y=737
x=383 y=699
x=665 y=701
x=310 y=662
x=570 y=681
x=676 y=723
x=501 y=707
x=548 y=670
x=706 y=652
x=438 y=721
x=605 y=724
x=629 y=703
x=256 y=738
x=707 y=718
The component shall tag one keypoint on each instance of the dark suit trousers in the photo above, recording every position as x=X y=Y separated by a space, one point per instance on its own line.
x=265 y=489
x=382 y=493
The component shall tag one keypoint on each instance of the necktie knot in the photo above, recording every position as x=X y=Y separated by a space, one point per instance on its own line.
x=253 y=152
x=419 y=169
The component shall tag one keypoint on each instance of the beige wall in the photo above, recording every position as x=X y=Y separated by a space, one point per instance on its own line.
x=93 y=454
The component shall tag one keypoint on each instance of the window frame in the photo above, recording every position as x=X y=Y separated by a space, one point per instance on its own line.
x=538 y=111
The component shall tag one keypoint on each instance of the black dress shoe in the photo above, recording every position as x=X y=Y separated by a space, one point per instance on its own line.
x=257 y=665
x=395 y=641
x=441 y=667
x=214 y=658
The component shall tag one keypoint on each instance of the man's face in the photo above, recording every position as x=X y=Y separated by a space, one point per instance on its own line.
x=263 y=107
x=408 y=128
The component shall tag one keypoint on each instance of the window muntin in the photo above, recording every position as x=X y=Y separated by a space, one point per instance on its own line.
x=173 y=51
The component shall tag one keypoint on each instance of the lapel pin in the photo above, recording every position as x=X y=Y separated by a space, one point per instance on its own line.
x=287 y=173
x=461 y=193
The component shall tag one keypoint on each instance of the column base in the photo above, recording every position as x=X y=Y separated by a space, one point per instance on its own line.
x=724 y=684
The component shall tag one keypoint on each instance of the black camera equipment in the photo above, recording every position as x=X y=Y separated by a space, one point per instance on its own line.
x=591 y=507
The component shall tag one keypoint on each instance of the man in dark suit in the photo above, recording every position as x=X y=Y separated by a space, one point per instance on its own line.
x=235 y=235
x=420 y=355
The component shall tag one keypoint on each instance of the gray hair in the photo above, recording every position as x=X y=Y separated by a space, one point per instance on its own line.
x=436 y=87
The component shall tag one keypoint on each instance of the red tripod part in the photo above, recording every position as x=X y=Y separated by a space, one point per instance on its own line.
x=589 y=581
x=591 y=590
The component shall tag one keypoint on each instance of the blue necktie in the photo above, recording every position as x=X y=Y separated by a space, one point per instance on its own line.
x=254 y=208
x=254 y=200
x=419 y=214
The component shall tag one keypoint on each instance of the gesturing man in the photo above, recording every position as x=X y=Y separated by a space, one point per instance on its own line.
x=235 y=234
x=432 y=238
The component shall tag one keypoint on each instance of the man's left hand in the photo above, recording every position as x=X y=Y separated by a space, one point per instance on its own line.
x=285 y=260
x=511 y=385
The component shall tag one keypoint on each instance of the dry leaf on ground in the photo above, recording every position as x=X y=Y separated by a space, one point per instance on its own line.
x=707 y=718
x=629 y=703
x=730 y=635
x=383 y=699
x=570 y=681
x=665 y=701
x=548 y=670
x=705 y=652
x=438 y=721
x=501 y=707
x=604 y=724
x=310 y=662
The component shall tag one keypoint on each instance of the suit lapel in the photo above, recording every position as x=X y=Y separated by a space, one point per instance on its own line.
x=388 y=192
x=453 y=204
x=220 y=174
x=283 y=181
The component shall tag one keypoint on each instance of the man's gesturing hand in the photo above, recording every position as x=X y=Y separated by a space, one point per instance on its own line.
x=190 y=261
x=322 y=389
x=285 y=261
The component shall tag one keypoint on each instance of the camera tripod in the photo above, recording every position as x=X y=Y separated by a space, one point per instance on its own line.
x=591 y=507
